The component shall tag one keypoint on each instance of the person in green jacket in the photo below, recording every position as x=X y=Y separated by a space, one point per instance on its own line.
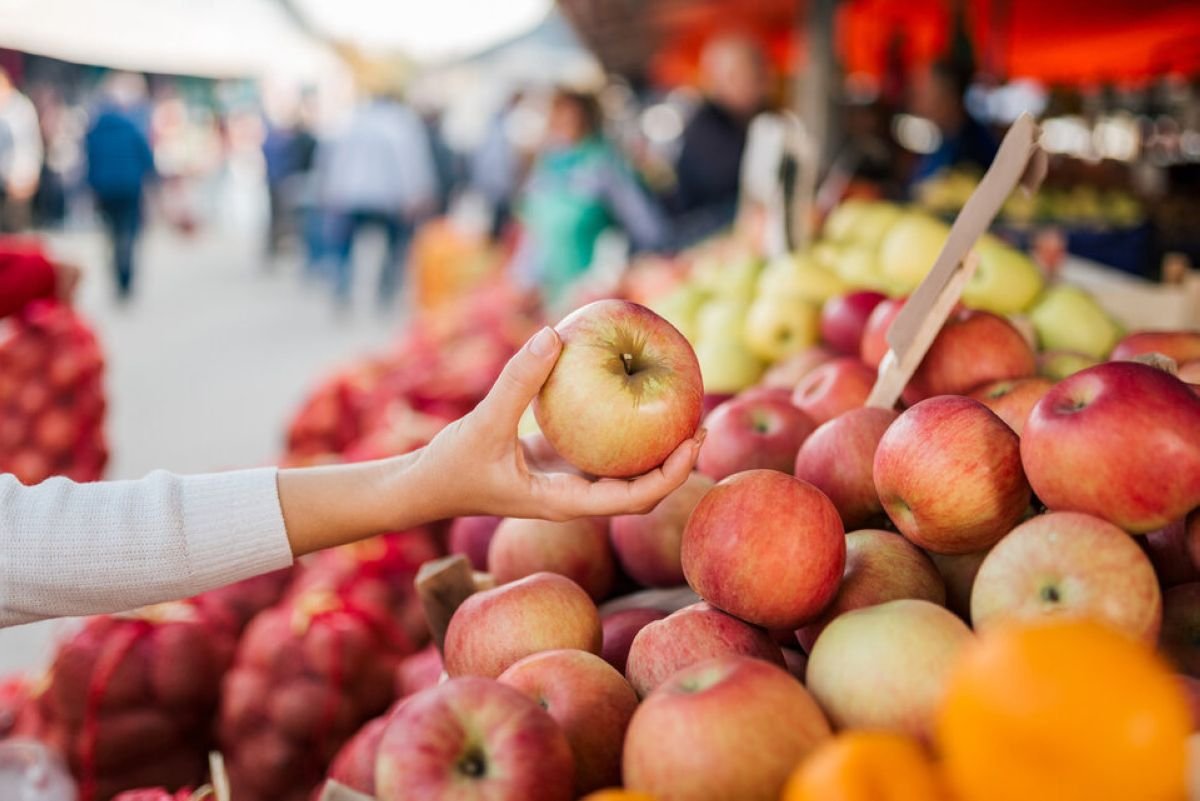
x=579 y=186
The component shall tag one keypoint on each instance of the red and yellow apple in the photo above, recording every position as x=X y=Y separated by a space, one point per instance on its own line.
x=744 y=434
x=648 y=545
x=838 y=459
x=844 y=318
x=471 y=536
x=1182 y=346
x=959 y=570
x=874 y=339
x=1013 y=399
x=578 y=549
x=834 y=388
x=972 y=349
x=787 y=373
x=619 y=628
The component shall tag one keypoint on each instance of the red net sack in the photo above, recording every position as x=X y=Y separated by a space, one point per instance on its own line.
x=51 y=396
x=232 y=606
x=354 y=765
x=162 y=794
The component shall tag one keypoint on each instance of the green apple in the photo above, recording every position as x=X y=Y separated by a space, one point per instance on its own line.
x=858 y=266
x=681 y=306
x=909 y=250
x=779 y=325
x=801 y=276
x=726 y=365
x=732 y=278
x=826 y=253
x=1069 y=318
x=842 y=222
x=1006 y=280
x=862 y=221
x=1058 y=364
x=721 y=318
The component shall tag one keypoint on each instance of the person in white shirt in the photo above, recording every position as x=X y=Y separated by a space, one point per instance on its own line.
x=20 y=155
x=77 y=549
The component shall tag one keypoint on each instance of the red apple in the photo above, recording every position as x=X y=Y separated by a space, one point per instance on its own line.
x=948 y=473
x=1180 y=637
x=958 y=571
x=880 y=567
x=590 y=701
x=746 y=434
x=418 y=671
x=473 y=738
x=834 y=388
x=844 y=319
x=972 y=349
x=56 y=430
x=760 y=392
x=691 y=635
x=1182 y=346
x=874 y=338
x=493 y=629
x=787 y=374
x=648 y=545
x=578 y=549
x=470 y=536
x=620 y=628
x=728 y=728
x=625 y=392
x=766 y=547
x=1013 y=399
x=838 y=459
x=1068 y=564
x=1189 y=372
x=1171 y=550
x=1119 y=441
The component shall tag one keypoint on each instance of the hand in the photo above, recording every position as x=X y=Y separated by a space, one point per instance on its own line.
x=480 y=466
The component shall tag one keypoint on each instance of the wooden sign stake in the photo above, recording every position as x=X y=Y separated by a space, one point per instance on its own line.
x=442 y=585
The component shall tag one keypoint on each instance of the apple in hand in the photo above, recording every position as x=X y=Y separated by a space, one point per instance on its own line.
x=1180 y=636
x=948 y=473
x=1182 y=346
x=1173 y=550
x=1073 y=565
x=620 y=628
x=626 y=390
x=744 y=434
x=884 y=667
x=833 y=388
x=973 y=348
x=1013 y=399
x=473 y=738
x=838 y=459
x=648 y=545
x=688 y=636
x=843 y=320
x=1120 y=441
x=591 y=702
x=578 y=549
x=874 y=339
x=787 y=373
x=766 y=547
x=494 y=628
x=471 y=536
x=727 y=728
x=880 y=567
x=959 y=570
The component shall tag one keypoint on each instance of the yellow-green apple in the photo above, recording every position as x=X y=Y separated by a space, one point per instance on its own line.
x=1068 y=318
x=681 y=307
x=948 y=473
x=910 y=248
x=958 y=571
x=626 y=390
x=779 y=325
x=1012 y=399
x=1072 y=565
x=471 y=536
x=578 y=549
x=737 y=278
x=1058 y=364
x=1180 y=636
x=1120 y=441
x=1189 y=372
x=874 y=339
x=766 y=547
x=620 y=628
x=591 y=702
x=787 y=373
x=727 y=366
x=858 y=265
x=844 y=318
x=1006 y=280
x=865 y=221
x=648 y=545
x=826 y=252
x=690 y=635
x=880 y=567
x=721 y=319
x=494 y=628
x=727 y=728
x=744 y=434
x=473 y=738
x=1182 y=346
x=973 y=348
x=800 y=276
x=884 y=667
x=838 y=459
x=834 y=388
x=1170 y=550
x=842 y=223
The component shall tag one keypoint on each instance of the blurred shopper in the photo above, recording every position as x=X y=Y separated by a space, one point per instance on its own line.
x=289 y=151
x=496 y=165
x=20 y=155
x=445 y=163
x=120 y=163
x=378 y=172
x=579 y=187
x=708 y=170
x=939 y=95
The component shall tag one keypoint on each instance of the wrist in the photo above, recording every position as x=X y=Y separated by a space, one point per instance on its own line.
x=408 y=493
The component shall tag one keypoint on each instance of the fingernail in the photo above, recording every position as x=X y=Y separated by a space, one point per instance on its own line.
x=543 y=343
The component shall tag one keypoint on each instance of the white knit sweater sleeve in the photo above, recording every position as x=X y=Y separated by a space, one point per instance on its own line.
x=81 y=549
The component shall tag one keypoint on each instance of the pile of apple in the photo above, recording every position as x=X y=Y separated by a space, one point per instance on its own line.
x=841 y=560
x=51 y=396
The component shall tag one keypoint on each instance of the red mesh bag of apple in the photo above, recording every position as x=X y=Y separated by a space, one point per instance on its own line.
x=233 y=605
x=163 y=794
x=51 y=396
x=330 y=419
x=130 y=700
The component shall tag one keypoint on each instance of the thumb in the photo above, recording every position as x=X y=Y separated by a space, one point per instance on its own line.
x=522 y=378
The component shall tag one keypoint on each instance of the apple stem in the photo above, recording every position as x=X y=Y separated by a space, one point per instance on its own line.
x=627 y=359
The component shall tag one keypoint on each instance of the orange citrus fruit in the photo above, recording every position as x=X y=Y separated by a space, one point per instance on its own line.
x=1065 y=709
x=617 y=795
x=866 y=766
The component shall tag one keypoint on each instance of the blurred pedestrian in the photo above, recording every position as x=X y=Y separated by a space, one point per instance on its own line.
x=496 y=165
x=289 y=151
x=708 y=169
x=20 y=155
x=940 y=95
x=579 y=187
x=378 y=172
x=120 y=163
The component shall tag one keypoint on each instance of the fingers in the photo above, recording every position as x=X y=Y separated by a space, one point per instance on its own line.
x=520 y=381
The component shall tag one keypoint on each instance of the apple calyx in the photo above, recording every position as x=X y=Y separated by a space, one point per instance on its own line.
x=473 y=763
x=1050 y=594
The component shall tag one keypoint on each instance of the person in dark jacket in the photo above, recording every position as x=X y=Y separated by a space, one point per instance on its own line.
x=120 y=163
